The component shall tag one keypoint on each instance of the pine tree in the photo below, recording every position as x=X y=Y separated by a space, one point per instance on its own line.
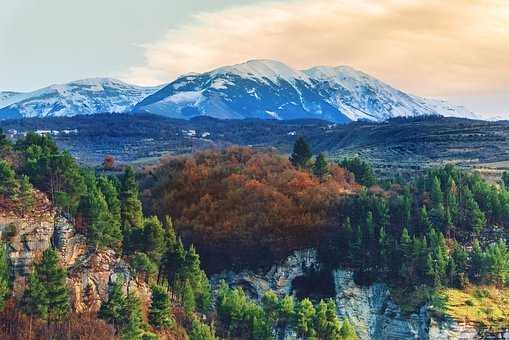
x=477 y=263
x=305 y=316
x=132 y=216
x=160 y=313
x=153 y=238
x=201 y=331
x=143 y=266
x=103 y=228
x=424 y=221
x=370 y=230
x=174 y=260
x=113 y=310
x=436 y=192
x=356 y=251
x=286 y=313
x=362 y=171
x=326 y=323
x=347 y=331
x=321 y=168
x=111 y=195
x=8 y=183
x=192 y=273
x=505 y=179
x=452 y=200
x=270 y=304
x=53 y=277
x=301 y=155
x=472 y=217
x=35 y=299
x=26 y=195
x=496 y=260
x=170 y=236
x=386 y=246
x=187 y=297
x=5 y=275
x=134 y=328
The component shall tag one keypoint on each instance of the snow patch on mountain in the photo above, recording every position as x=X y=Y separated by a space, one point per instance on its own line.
x=263 y=70
x=86 y=96
x=185 y=97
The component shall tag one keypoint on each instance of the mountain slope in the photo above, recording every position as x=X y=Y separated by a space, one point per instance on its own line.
x=87 y=96
x=256 y=89
x=270 y=89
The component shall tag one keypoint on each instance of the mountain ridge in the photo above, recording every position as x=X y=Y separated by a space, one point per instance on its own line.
x=339 y=94
x=84 y=96
x=262 y=88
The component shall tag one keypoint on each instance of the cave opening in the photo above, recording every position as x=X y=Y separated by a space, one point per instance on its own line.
x=314 y=285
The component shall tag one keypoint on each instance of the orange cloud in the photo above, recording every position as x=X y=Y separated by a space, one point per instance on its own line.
x=431 y=48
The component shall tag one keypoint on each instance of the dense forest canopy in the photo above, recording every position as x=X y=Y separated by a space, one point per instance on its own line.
x=223 y=201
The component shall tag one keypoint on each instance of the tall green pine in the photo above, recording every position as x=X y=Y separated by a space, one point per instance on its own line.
x=301 y=155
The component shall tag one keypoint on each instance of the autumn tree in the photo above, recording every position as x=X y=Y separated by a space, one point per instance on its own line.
x=109 y=162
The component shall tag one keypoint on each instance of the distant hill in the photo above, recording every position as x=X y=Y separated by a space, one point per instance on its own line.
x=398 y=143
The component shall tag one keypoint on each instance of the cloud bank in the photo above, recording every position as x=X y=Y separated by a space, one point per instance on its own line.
x=451 y=49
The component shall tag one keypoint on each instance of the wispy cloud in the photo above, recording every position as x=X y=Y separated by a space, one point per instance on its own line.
x=437 y=48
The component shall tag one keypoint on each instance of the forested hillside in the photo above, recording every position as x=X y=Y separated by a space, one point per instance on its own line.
x=437 y=240
x=107 y=210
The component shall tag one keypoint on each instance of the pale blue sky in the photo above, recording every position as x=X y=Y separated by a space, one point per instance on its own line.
x=54 y=41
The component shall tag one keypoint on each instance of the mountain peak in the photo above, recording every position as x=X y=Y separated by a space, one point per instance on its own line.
x=263 y=69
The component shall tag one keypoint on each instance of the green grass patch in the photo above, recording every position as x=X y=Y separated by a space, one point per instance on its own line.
x=484 y=306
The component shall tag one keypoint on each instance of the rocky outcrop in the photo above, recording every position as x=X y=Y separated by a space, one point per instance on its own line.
x=451 y=329
x=92 y=275
x=370 y=308
x=90 y=272
x=29 y=237
x=372 y=311
x=278 y=278
x=70 y=244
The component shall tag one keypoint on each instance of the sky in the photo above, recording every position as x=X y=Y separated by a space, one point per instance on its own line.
x=456 y=49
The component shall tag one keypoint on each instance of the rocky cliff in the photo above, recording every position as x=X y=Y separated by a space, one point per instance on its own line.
x=90 y=271
x=370 y=308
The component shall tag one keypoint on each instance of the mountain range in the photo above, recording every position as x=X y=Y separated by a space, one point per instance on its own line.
x=264 y=89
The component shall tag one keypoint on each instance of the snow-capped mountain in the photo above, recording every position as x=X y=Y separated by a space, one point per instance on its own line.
x=256 y=89
x=87 y=96
x=272 y=90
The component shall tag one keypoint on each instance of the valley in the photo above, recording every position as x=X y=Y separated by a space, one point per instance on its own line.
x=399 y=145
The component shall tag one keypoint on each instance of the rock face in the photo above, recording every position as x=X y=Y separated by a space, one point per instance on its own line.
x=370 y=309
x=278 y=279
x=91 y=276
x=90 y=272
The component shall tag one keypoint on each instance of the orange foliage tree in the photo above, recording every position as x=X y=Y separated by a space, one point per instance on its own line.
x=243 y=206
